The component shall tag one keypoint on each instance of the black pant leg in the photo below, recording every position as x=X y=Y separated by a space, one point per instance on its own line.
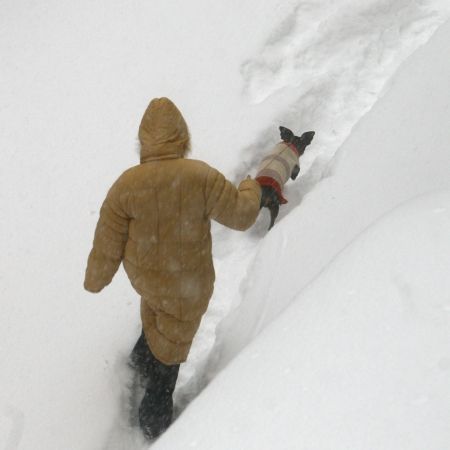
x=155 y=412
x=141 y=356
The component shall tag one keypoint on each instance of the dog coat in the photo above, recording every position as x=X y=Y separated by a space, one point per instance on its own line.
x=277 y=167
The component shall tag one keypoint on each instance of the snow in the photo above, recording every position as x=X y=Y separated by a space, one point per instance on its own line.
x=359 y=360
x=75 y=80
x=362 y=349
x=396 y=153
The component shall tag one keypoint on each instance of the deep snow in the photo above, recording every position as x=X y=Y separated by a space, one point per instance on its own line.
x=75 y=79
x=398 y=152
x=360 y=358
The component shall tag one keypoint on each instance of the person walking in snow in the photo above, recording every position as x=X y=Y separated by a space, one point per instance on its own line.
x=156 y=221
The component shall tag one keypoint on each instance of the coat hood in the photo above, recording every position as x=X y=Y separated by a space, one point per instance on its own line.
x=163 y=132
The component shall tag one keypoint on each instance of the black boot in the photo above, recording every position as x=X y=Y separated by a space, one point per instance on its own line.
x=156 y=409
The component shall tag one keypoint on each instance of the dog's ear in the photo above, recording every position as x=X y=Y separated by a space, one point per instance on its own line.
x=300 y=143
x=286 y=134
x=307 y=137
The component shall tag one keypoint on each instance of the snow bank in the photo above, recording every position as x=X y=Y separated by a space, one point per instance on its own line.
x=398 y=151
x=360 y=360
x=352 y=48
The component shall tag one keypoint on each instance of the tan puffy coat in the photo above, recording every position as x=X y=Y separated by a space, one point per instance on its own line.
x=156 y=219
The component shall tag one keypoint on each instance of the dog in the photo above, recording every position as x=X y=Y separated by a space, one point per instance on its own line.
x=280 y=165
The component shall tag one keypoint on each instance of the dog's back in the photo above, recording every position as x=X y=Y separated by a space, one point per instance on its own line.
x=279 y=164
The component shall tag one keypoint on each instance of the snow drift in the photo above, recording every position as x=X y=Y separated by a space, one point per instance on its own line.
x=360 y=360
x=361 y=357
x=399 y=151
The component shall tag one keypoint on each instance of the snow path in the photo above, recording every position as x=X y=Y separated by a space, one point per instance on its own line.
x=350 y=53
x=327 y=65
x=343 y=40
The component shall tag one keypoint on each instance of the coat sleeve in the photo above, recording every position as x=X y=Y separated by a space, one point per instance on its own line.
x=233 y=207
x=111 y=235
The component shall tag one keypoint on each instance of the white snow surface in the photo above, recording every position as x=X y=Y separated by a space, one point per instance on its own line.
x=361 y=358
x=329 y=332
